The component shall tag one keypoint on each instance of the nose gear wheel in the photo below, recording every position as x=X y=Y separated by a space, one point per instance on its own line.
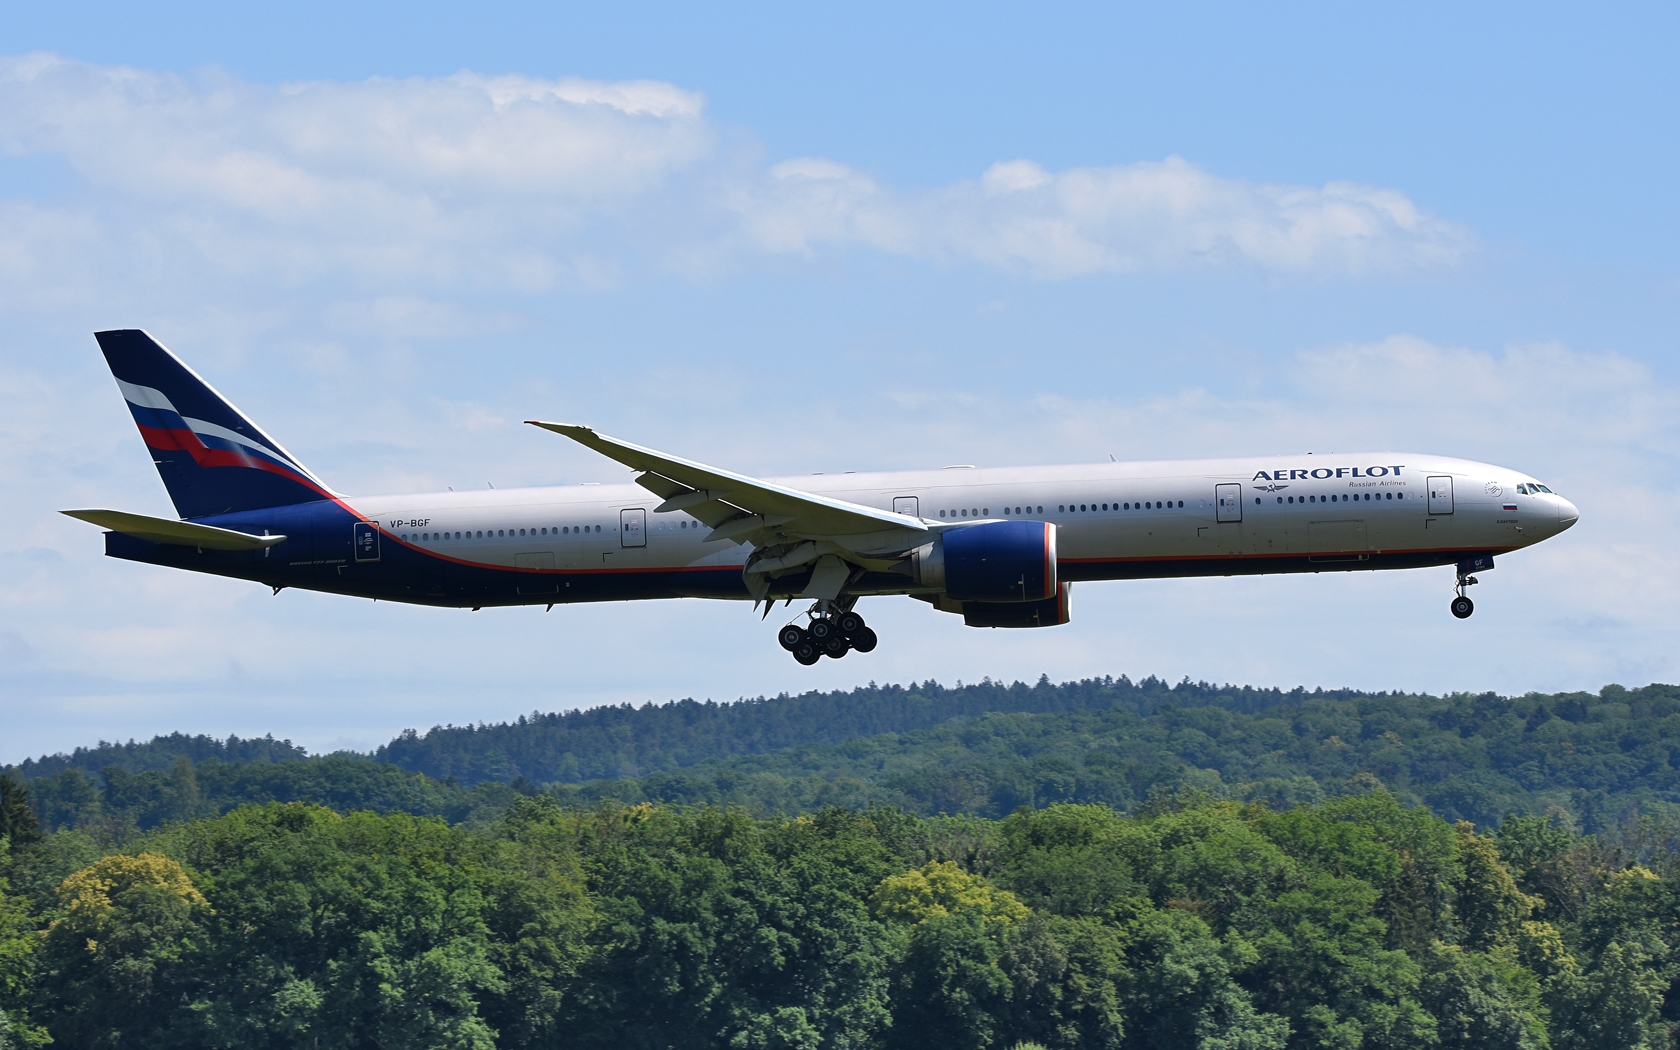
x=1462 y=606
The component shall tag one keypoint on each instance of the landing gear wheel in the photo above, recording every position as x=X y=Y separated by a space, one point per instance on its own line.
x=823 y=630
x=807 y=653
x=791 y=636
x=850 y=623
x=1462 y=607
x=836 y=646
x=863 y=640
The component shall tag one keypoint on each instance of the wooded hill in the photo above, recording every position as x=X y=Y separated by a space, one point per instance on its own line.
x=1193 y=923
x=1592 y=761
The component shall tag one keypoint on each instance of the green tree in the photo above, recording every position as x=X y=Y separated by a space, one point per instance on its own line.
x=718 y=930
x=1616 y=1005
x=17 y=820
x=18 y=944
x=1180 y=991
x=1482 y=1002
x=350 y=931
x=117 y=962
x=1491 y=909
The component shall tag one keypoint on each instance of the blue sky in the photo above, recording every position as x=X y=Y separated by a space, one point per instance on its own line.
x=855 y=238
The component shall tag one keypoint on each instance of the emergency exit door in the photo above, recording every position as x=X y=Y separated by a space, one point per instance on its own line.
x=1228 y=498
x=906 y=505
x=632 y=528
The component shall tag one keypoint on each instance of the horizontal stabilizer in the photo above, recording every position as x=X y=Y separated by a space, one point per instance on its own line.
x=180 y=533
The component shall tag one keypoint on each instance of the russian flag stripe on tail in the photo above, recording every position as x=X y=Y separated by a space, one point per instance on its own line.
x=213 y=460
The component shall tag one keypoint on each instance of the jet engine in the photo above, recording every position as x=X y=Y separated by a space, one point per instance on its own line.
x=993 y=561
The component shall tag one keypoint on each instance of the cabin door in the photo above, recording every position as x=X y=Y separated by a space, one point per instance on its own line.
x=1440 y=496
x=632 y=527
x=364 y=539
x=1228 y=498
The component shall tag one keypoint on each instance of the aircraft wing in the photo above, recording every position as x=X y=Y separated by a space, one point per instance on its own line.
x=738 y=507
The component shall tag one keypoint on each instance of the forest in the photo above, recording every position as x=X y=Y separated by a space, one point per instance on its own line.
x=1092 y=864
x=1594 y=761
x=1192 y=921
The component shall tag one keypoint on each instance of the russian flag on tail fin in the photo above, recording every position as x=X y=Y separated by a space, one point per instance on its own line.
x=212 y=459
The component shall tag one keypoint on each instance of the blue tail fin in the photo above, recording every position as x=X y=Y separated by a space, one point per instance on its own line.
x=213 y=460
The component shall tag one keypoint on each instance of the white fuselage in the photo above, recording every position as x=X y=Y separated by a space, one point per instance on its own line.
x=1115 y=520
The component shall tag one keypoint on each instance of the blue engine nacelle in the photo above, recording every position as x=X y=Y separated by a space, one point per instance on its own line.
x=992 y=561
x=1051 y=612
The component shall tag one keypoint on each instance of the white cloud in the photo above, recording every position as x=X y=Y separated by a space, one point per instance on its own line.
x=521 y=184
x=1137 y=217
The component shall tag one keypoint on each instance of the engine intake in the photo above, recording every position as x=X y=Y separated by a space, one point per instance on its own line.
x=994 y=561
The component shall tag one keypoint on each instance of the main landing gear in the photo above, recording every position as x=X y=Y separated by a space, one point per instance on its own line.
x=834 y=632
x=1462 y=606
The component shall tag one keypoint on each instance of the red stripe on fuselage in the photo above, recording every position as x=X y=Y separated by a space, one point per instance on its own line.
x=1287 y=554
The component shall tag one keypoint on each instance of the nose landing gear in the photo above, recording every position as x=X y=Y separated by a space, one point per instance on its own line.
x=834 y=632
x=1462 y=606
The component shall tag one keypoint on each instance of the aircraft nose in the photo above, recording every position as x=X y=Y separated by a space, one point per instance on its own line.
x=1567 y=514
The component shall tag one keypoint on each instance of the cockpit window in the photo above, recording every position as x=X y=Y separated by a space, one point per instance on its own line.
x=1542 y=488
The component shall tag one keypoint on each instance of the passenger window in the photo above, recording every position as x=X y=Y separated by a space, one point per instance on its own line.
x=1180 y=504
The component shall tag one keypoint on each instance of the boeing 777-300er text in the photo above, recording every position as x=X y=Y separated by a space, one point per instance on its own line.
x=1000 y=547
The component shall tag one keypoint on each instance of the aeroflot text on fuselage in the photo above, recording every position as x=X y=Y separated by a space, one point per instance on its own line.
x=1323 y=473
x=1000 y=547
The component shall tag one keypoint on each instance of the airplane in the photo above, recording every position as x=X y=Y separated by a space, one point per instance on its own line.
x=1001 y=547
